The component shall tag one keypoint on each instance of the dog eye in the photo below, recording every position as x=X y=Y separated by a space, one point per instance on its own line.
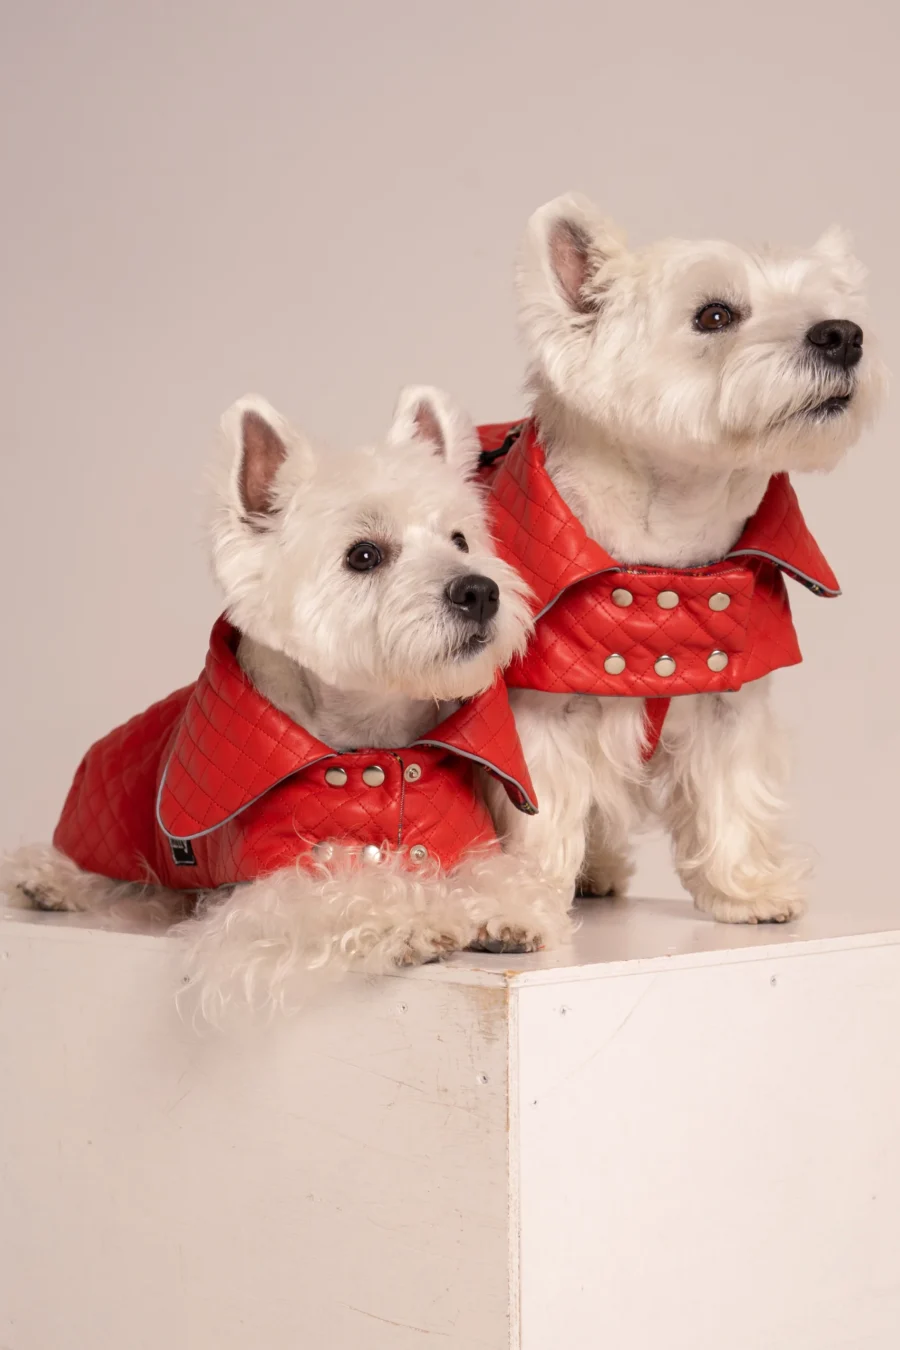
x=364 y=557
x=460 y=541
x=712 y=318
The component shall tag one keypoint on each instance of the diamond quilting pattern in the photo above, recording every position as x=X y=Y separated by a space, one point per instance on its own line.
x=578 y=626
x=247 y=786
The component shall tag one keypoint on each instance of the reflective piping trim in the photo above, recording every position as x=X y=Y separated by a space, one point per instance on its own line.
x=200 y=833
x=529 y=807
x=588 y=577
x=815 y=586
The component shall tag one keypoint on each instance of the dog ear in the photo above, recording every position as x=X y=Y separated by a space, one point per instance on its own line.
x=835 y=244
x=568 y=255
x=261 y=443
x=431 y=418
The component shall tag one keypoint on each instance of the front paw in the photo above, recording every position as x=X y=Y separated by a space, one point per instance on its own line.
x=604 y=878
x=419 y=947
x=775 y=906
x=505 y=939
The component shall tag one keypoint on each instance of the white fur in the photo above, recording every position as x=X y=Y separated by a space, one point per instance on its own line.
x=358 y=658
x=662 y=440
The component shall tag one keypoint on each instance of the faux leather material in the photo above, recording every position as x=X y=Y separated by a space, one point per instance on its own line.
x=217 y=775
x=573 y=579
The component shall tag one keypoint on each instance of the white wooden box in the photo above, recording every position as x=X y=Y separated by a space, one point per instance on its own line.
x=675 y=1136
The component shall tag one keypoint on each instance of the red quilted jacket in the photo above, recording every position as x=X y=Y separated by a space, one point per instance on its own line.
x=214 y=785
x=651 y=632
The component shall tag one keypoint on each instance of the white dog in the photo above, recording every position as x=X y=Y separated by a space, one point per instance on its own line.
x=669 y=384
x=366 y=601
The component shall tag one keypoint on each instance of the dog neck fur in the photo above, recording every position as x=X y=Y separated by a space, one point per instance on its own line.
x=641 y=507
x=343 y=719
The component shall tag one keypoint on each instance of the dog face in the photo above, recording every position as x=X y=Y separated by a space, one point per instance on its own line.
x=373 y=569
x=700 y=351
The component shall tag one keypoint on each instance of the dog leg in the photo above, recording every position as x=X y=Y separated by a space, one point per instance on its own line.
x=721 y=770
x=529 y=907
x=38 y=876
x=607 y=867
x=255 y=947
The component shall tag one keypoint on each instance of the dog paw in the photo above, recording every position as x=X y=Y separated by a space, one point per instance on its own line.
x=766 y=908
x=604 y=879
x=46 y=898
x=588 y=889
x=503 y=939
x=423 y=949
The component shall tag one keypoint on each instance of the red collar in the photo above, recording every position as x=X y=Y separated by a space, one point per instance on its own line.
x=535 y=529
x=235 y=745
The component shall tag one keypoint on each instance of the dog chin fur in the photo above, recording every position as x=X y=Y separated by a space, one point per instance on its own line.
x=662 y=439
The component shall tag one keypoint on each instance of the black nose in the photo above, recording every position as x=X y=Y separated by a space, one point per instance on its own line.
x=477 y=598
x=837 y=341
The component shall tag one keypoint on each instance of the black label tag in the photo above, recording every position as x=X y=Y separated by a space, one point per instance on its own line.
x=182 y=853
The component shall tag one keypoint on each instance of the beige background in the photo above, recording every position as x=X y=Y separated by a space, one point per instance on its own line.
x=321 y=203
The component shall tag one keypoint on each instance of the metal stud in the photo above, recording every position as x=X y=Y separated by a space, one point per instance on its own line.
x=372 y=853
x=622 y=598
x=412 y=773
x=717 y=660
x=719 y=601
x=323 y=852
x=373 y=776
x=418 y=853
x=615 y=664
x=336 y=777
x=667 y=599
x=664 y=666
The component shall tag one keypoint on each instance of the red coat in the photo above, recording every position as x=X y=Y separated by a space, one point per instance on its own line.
x=650 y=632
x=214 y=785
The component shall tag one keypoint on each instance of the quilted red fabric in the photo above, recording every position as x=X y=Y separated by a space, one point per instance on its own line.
x=748 y=625
x=215 y=785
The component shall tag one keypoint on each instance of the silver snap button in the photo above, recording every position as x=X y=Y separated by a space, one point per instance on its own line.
x=372 y=853
x=667 y=599
x=418 y=853
x=323 y=852
x=615 y=664
x=622 y=598
x=373 y=776
x=412 y=773
x=664 y=666
x=719 y=601
x=717 y=660
x=336 y=777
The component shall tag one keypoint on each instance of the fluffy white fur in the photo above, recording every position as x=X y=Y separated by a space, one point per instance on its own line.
x=360 y=658
x=662 y=439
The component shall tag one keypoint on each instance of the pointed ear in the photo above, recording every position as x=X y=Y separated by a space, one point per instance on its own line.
x=429 y=417
x=568 y=256
x=261 y=442
x=836 y=244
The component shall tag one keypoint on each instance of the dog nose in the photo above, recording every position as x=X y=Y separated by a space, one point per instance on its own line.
x=477 y=598
x=838 y=341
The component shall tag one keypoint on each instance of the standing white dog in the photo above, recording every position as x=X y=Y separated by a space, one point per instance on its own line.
x=673 y=387
x=324 y=759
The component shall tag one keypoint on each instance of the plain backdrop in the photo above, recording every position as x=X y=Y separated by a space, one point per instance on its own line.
x=321 y=203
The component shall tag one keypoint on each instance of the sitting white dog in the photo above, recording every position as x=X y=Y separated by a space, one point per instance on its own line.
x=646 y=502
x=324 y=758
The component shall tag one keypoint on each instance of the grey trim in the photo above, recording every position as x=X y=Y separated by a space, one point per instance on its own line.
x=810 y=582
x=201 y=833
x=486 y=764
x=588 y=577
